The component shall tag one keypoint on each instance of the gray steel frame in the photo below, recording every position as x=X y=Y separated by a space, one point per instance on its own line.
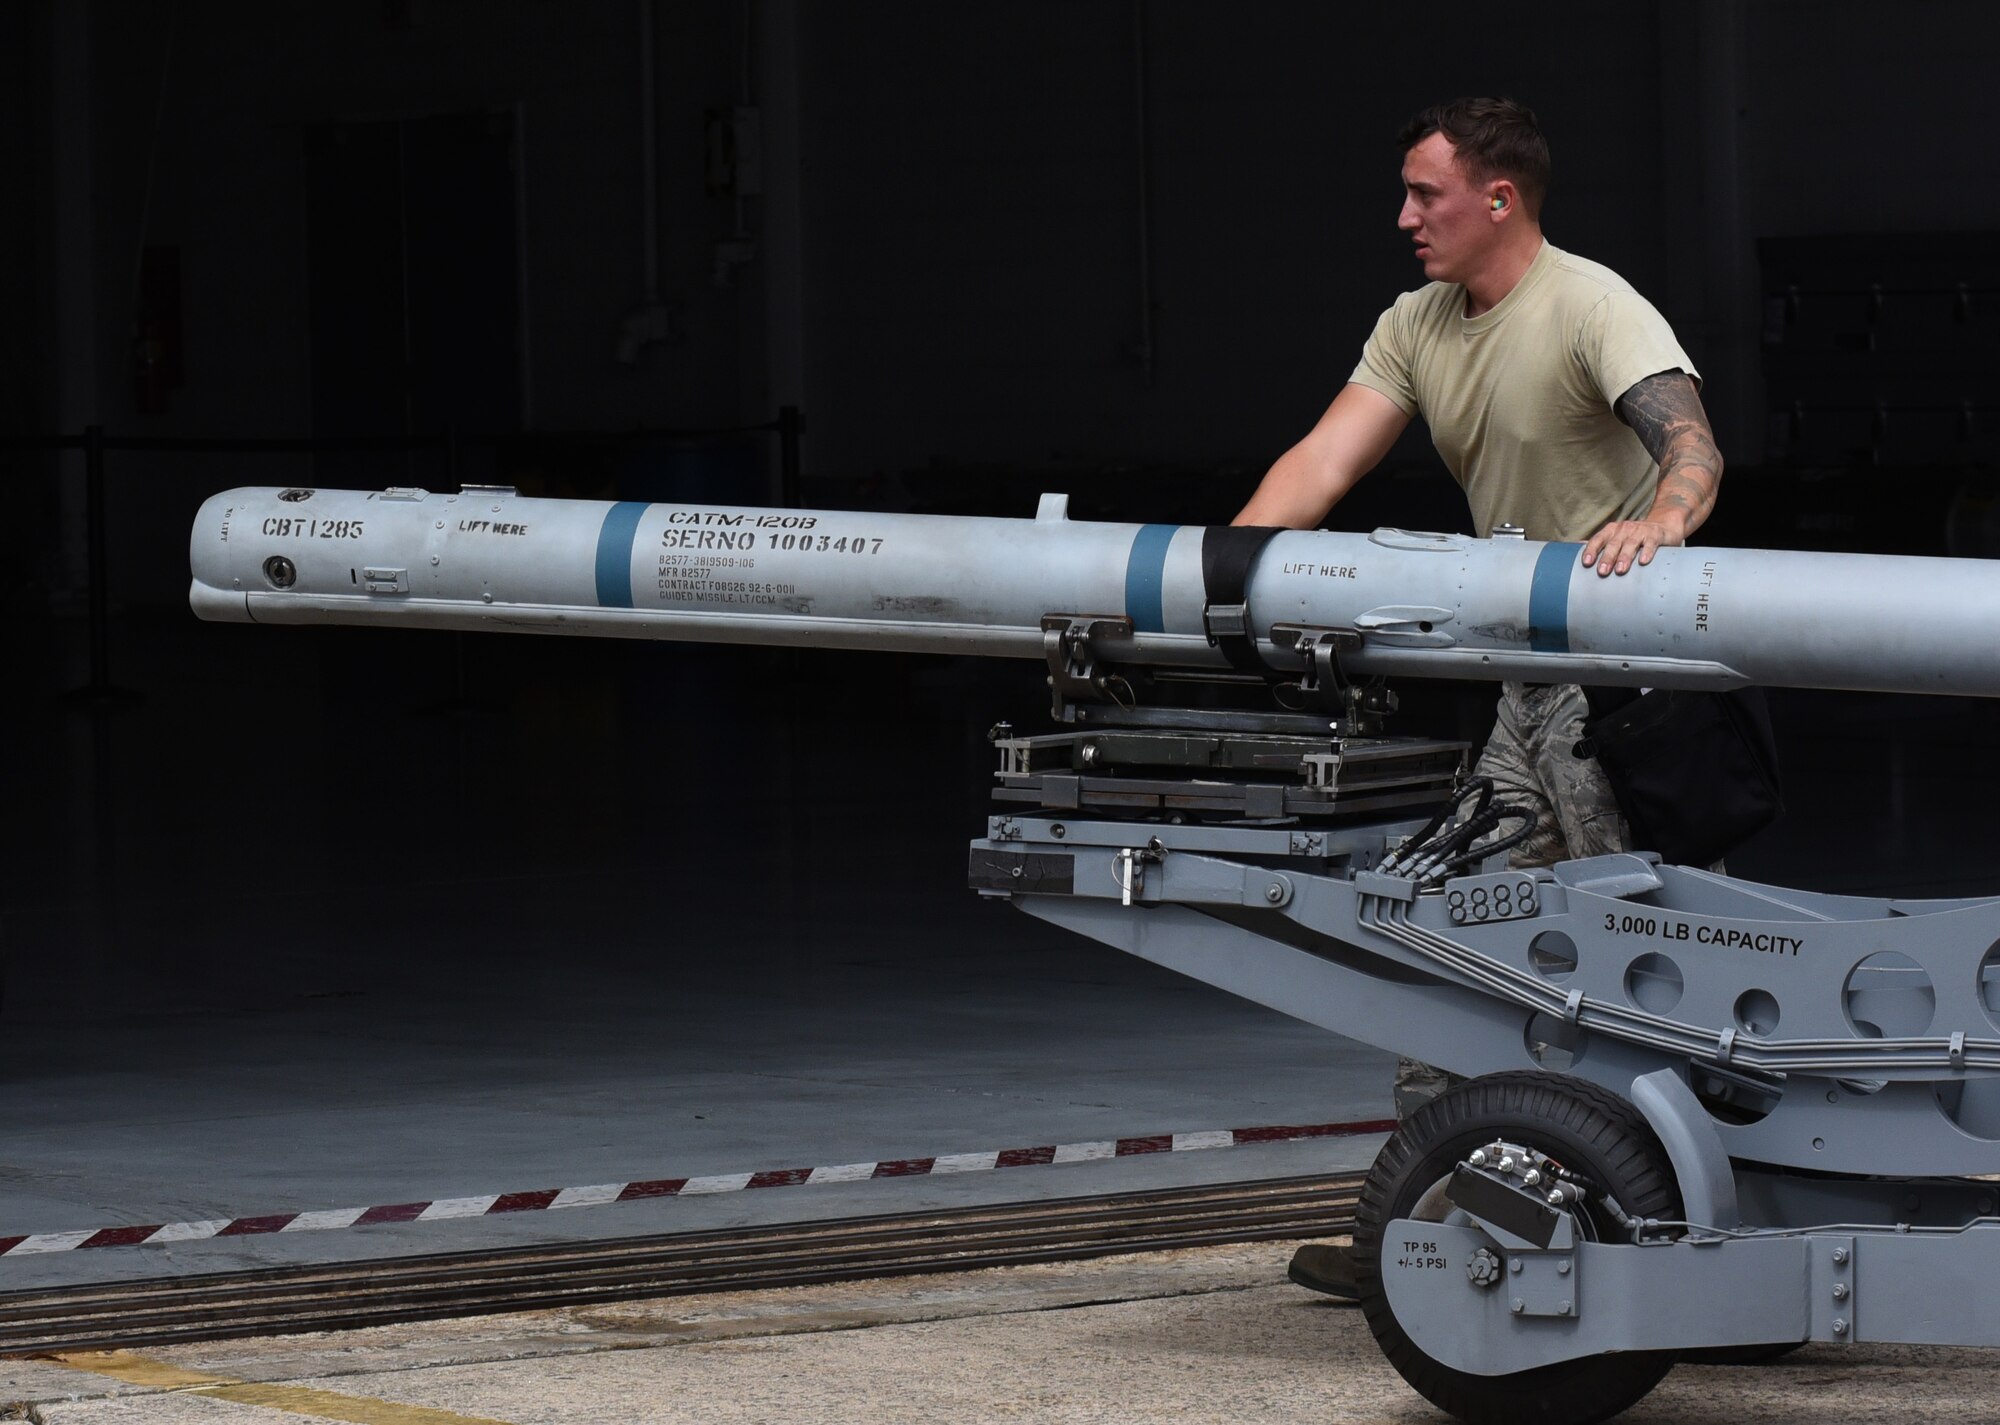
x=1804 y=1059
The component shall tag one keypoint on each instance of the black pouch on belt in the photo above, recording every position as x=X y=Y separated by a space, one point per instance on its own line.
x=1695 y=773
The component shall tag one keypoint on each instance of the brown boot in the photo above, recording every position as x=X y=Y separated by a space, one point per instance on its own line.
x=1327 y=1268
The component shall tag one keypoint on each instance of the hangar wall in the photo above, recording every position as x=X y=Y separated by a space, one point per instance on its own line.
x=985 y=241
x=235 y=87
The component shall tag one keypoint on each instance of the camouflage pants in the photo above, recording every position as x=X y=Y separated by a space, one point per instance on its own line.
x=1530 y=760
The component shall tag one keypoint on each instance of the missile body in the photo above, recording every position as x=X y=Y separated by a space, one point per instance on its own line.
x=1424 y=605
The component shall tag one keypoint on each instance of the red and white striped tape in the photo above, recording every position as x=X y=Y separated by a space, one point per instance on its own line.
x=597 y=1195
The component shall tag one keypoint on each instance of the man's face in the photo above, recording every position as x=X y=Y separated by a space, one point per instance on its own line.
x=1448 y=217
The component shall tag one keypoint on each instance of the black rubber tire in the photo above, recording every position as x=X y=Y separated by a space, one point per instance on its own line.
x=1581 y=1126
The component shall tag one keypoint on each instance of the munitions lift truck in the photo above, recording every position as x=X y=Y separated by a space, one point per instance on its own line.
x=1700 y=1115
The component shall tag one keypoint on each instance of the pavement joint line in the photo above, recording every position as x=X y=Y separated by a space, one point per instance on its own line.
x=607 y=1194
x=166 y=1378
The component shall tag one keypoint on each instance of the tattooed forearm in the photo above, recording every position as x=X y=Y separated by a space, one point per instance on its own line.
x=1665 y=411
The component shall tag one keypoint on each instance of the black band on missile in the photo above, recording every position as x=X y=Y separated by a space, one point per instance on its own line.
x=1228 y=553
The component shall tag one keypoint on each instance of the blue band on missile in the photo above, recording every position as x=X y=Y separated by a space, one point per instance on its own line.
x=614 y=554
x=1145 y=578
x=1548 y=598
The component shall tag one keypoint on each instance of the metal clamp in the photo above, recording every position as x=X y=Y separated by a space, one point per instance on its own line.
x=1318 y=648
x=1129 y=867
x=1222 y=621
x=1076 y=671
x=1324 y=683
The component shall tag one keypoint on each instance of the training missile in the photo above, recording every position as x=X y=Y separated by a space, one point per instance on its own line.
x=1400 y=602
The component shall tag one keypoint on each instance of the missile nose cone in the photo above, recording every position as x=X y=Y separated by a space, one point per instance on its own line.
x=214 y=593
x=208 y=540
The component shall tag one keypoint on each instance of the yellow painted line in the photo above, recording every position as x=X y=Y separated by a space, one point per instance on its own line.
x=295 y=1399
x=138 y=1370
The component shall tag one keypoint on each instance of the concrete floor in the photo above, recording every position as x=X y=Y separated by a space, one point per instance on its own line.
x=288 y=937
x=324 y=922
x=1212 y=1335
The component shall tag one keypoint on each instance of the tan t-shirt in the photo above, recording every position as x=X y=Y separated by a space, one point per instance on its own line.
x=1519 y=400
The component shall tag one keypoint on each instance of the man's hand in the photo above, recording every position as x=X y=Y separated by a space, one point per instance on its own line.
x=1665 y=412
x=1623 y=543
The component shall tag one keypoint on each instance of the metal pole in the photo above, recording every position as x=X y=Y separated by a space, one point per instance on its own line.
x=98 y=692
x=790 y=424
x=96 y=574
x=1143 y=349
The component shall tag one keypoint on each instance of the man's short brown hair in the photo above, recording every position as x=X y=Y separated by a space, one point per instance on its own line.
x=1490 y=138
